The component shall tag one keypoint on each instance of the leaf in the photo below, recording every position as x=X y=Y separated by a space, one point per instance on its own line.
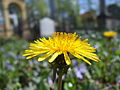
x=117 y=52
x=43 y=86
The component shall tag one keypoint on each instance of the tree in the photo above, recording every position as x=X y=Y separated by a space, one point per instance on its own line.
x=42 y=8
x=39 y=6
x=68 y=9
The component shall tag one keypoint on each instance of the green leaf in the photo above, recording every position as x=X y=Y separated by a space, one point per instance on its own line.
x=117 y=52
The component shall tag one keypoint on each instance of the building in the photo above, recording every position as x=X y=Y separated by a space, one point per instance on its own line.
x=109 y=18
x=10 y=22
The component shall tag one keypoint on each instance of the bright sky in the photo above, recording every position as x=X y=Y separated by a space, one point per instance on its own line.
x=85 y=7
x=1 y=18
x=94 y=4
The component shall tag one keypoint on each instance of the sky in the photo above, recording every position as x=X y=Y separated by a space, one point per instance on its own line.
x=94 y=4
x=1 y=18
x=84 y=5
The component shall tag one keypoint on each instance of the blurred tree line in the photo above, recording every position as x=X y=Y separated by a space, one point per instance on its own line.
x=64 y=12
x=67 y=12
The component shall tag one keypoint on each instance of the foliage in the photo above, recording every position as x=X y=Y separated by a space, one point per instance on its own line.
x=16 y=73
x=70 y=10
x=38 y=7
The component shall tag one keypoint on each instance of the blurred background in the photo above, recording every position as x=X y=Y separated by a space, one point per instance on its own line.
x=22 y=21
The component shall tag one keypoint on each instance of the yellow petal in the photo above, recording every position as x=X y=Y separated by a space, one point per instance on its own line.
x=25 y=54
x=91 y=56
x=34 y=52
x=67 y=58
x=31 y=56
x=54 y=56
x=41 y=58
x=80 y=57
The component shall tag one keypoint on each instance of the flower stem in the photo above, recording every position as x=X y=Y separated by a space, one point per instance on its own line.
x=60 y=82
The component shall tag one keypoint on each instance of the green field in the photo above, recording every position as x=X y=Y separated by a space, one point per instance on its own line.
x=17 y=73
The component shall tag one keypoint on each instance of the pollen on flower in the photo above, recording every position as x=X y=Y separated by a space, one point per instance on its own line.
x=61 y=43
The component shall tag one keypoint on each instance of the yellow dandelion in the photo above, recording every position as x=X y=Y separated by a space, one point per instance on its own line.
x=61 y=44
x=110 y=34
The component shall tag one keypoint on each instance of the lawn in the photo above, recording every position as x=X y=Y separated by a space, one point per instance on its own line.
x=17 y=73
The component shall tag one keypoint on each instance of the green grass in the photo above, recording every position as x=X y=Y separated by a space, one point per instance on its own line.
x=16 y=72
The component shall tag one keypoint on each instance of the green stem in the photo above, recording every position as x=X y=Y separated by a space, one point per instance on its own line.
x=60 y=82
x=54 y=74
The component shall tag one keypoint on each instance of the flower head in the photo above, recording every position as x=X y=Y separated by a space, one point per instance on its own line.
x=118 y=79
x=61 y=44
x=50 y=82
x=110 y=34
x=9 y=66
x=3 y=49
x=80 y=70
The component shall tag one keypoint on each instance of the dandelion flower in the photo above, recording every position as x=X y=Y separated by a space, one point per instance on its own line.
x=61 y=44
x=110 y=34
